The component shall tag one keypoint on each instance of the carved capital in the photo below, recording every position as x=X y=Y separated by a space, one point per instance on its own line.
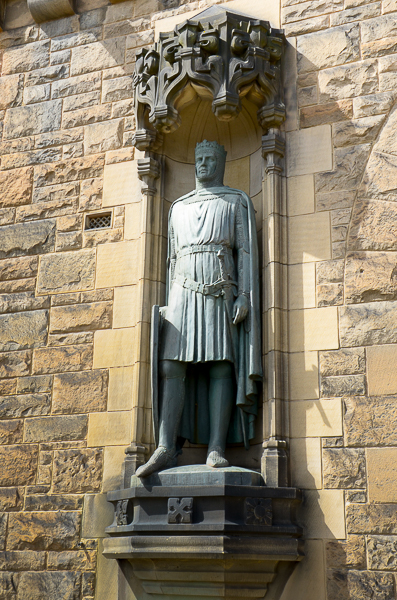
x=47 y=10
x=222 y=55
x=148 y=172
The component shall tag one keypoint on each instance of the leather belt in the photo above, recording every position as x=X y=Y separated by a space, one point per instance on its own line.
x=198 y=248
x=207 y=289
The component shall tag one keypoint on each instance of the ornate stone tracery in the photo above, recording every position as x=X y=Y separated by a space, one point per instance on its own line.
x=221 y=55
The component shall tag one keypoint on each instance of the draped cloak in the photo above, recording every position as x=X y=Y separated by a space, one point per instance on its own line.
x=207 y=229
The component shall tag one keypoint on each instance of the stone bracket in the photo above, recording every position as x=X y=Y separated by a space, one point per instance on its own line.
x=48 y=10
x=148 y=172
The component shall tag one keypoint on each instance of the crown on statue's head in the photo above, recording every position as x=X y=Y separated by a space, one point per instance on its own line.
x=214 y=146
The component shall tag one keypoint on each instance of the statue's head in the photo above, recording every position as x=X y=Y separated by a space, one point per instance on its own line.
x=210 y=164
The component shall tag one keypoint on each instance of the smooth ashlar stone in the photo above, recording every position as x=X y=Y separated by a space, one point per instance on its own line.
x=370 y=276
x=37 y=237
x=200 y=475
x=368 y=324
x=361 y=414
x=344 y=468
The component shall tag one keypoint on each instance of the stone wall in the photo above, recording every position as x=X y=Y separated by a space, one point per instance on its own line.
x=72 y=324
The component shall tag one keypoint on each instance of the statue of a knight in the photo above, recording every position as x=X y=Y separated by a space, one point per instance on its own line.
x=207 y=361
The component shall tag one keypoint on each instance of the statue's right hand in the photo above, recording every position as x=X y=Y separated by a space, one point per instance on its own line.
x=163 y=311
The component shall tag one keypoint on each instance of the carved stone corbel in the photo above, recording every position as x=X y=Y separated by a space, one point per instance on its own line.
x=47 y=10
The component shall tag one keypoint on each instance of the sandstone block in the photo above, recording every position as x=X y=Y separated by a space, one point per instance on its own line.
x=330 y=271
x=109 y=429
x=121 y=181
x=82 y=560
x=18 y=285
x=7 y=585
x=342 y=585
x=69 y=339
x=347 y=385
x=69 y=170
x=117 y=89
x=14 y=364
x=306 y=329
x=371 y=518
x=306 y=10
x=382 y=473
x=348 y=81
x=80 y=392
x=77 y=85
x=309 y=150
x=81 y=101
x=37 y=93
x=91 y=194
x=20 y=331
x=335 y=200
x=309 y=238
x=357 y=131
x=305 y=26
x=98 y=55
x=347 y=361
x=329 y=294
x=320 y=114
x=22 y=301
x=77 y=471
x=368 y=324
x=382 y=552
x=69 y=241
x=328 y=48
x=65 y=272
x=379 y=182
x=349 y=166
x=102 y=137
x=316 y=418
x=300 y=195
x=62 y=359
x=358 y=13
x=306 y=463
x=29 y=120
x=25 y=560
x=373 y=104
x=25 y=405
x=11 y=91
x=21 y=59
x=322 y=514
x=34 y=157
x=344 y=468
x=46 y=75
x=40 y=502
x=96 y=516
x=18 y=268
x=43 y=531
x=85 y=317
x=349 y=553
x=19 y=464
x=381 y=27
x=31 y=385
x=55 y=429
x=7 y=216
x=27 y=238
x=84 y=116
x=360 y=415
x=118 y=264
x=382 y=377
x=11 y=432
x=8 y=387
x=370 y=276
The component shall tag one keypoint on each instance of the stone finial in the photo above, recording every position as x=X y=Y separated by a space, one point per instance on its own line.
x=47 y=10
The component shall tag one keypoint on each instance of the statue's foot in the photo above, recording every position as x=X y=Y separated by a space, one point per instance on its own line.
x=161 y=459
x=216 y=458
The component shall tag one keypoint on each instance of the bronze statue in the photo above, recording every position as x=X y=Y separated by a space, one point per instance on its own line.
x=209 y=357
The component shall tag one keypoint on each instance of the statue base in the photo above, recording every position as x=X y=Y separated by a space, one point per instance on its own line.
x=201 y=532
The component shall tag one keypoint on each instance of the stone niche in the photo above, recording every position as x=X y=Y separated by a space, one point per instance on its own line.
x=193 y=531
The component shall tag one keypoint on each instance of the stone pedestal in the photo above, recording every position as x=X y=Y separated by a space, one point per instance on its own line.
x=201 y=532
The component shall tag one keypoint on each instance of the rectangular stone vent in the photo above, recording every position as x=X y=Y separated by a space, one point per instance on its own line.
x=98 y=221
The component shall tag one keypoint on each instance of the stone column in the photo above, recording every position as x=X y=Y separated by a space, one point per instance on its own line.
x=274 y=457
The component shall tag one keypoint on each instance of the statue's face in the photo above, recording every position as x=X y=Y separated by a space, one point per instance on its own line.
x=206 y=166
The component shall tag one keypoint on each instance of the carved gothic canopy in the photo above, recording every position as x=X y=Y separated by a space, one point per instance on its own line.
x=222 y=55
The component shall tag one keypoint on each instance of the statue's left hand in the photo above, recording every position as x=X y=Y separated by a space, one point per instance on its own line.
x=240 y=309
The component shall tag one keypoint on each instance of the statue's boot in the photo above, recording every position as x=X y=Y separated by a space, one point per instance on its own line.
x=221 y=397
x=171 y=407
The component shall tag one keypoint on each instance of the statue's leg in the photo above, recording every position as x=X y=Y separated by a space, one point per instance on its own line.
x=173 y=374
x=221 y=397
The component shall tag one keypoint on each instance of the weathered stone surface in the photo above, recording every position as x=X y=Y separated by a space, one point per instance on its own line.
x=19 y=464
x=346 y=385
x=376 y=29
x=67 y=271
x=357 y=131
x=81 y=101
x=23 y=330
x=347 y=361
x=83 y=392
x=26 y=560
x=370 y=276
x=8 y=387
x=22 y=59
x=27 y=238
x=361 y=415
x=374 y=104
x=306 y=10
x=83 y=560
x=85 y=317
x=36 y=118
x=354 y=496
x=70 y=223
x=11 y=432
x=373 y=226
x=102 y=137
x=14 y=364
x=98 y=55
x=31 y=385
x=332 y=112
x=18 y=285
x=348 y=81
x=8 y=585
x=76 y=85
x=329 y=294
x=86 y=116
x=54 y=502
x=46 y=586
x=382 y=552
x=349 y=167
x=23 y=301
x=329 y=271
x=91 y=194
x=368 y=324
x=43 y=531
x=25 y=405
x=357 y=13
x=69 y=241
x=69 y=170
x=18 y=268
x=372 y=518
x=47 y=429
x=344 y=468
x=360 y=585
x=328 y=48
x=379 y=180
x=63 y=359
x=350 y=553
x=11 y=91
x=44 y=210
x=69 y=339
x=77 y=471
x=36 y=93
x=11 y=498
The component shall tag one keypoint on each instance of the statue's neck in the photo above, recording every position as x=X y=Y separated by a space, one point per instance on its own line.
x=206 y=185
